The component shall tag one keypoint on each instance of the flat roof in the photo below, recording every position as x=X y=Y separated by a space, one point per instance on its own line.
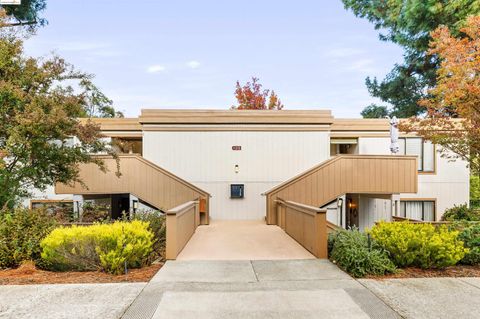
x=191 y=117
x=360 y=125
x=116 y=124
x=163 y=116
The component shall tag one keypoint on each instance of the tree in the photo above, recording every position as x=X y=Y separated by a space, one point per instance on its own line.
x=97 y=103
x=408 y=24
x=26 y=14
x=374 y=111
x=457 y=92
x=474 y=191
x=40 y=102
x=251 y=96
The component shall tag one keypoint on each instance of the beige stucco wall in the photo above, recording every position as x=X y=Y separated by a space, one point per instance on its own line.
x=449 y=185
x=206 y=159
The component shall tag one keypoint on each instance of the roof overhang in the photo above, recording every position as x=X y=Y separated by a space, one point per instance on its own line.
x=117 y=127
x=209 y=117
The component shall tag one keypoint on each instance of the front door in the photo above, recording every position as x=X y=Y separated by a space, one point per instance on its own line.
x=352 y=213
x=120 y=205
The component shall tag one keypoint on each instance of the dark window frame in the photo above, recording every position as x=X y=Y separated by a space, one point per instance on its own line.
x=422 y=162
x=423 y=207
x=241 y=190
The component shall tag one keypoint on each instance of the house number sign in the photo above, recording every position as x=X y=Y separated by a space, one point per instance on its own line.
x=236 y=148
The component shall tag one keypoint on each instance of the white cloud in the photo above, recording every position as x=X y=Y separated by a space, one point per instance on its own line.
x=362 y=65
x=156 y=68
x=342 y=52
x=193 y=64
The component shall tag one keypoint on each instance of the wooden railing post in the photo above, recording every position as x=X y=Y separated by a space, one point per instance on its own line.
x=171 y=237
x=321 y=243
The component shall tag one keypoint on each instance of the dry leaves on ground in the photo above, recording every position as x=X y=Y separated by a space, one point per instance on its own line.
x=28 y=274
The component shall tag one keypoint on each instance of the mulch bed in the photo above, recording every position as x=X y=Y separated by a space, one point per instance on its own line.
x=454 y=271
x=27 y=274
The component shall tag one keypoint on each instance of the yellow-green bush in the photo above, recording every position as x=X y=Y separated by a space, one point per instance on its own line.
x=100 y=246
x=421 y=245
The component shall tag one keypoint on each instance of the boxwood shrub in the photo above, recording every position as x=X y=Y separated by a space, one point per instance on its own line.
x=359 y=255
x=420 y=245
x=100 y=246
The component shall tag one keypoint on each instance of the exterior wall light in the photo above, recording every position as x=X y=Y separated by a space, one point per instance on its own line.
x=135 y=206
x=340 y=202
x=237 y=168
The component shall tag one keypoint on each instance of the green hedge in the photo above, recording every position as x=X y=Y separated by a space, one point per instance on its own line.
x=100 y=246
x=358 y=255
x=421 y=245
x=21 y=231
x=461 y=213
x=470 y=236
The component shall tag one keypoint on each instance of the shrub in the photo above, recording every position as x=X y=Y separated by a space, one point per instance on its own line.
x=461 y=212
x=100 y=246
x=93 y=213
x=21 y=231
x=471 y=238
x=421 y=245
x=358 y=255
x=157 y=225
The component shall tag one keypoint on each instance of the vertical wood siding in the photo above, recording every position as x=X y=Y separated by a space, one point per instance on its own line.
x=182 y=221
x=307 y=225
x=363 y=174
x=139 y=177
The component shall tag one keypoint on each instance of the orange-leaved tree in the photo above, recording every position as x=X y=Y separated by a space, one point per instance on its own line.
x=453 y=107
x=251 y=96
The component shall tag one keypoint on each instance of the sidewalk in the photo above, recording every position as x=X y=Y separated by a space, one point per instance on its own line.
x=297 y=289
x=430 y=298
x=248 y=289
x=79 y=301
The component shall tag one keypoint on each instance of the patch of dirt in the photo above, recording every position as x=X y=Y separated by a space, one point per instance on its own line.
x=454 y=271
x=28 y=274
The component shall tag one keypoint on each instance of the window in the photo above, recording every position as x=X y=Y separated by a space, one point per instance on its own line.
x=424 y=150
x=236 y=190
x=418 y=210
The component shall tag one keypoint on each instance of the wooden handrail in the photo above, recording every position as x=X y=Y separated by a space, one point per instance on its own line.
x=182 y=209
x=435 y=223
x=307 y=209
x=332 y=227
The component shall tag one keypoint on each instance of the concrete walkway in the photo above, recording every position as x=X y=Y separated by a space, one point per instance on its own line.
x=248 y=289
x=256 y=289
x=79 y=301
x=242 y=240
x=430 y=298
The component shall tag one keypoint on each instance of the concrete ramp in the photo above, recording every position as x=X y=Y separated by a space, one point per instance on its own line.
x=242 y=240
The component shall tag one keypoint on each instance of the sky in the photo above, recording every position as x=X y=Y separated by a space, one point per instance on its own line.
x=189 y=54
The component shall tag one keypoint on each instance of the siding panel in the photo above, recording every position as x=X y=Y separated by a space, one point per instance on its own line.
x=367 y=174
